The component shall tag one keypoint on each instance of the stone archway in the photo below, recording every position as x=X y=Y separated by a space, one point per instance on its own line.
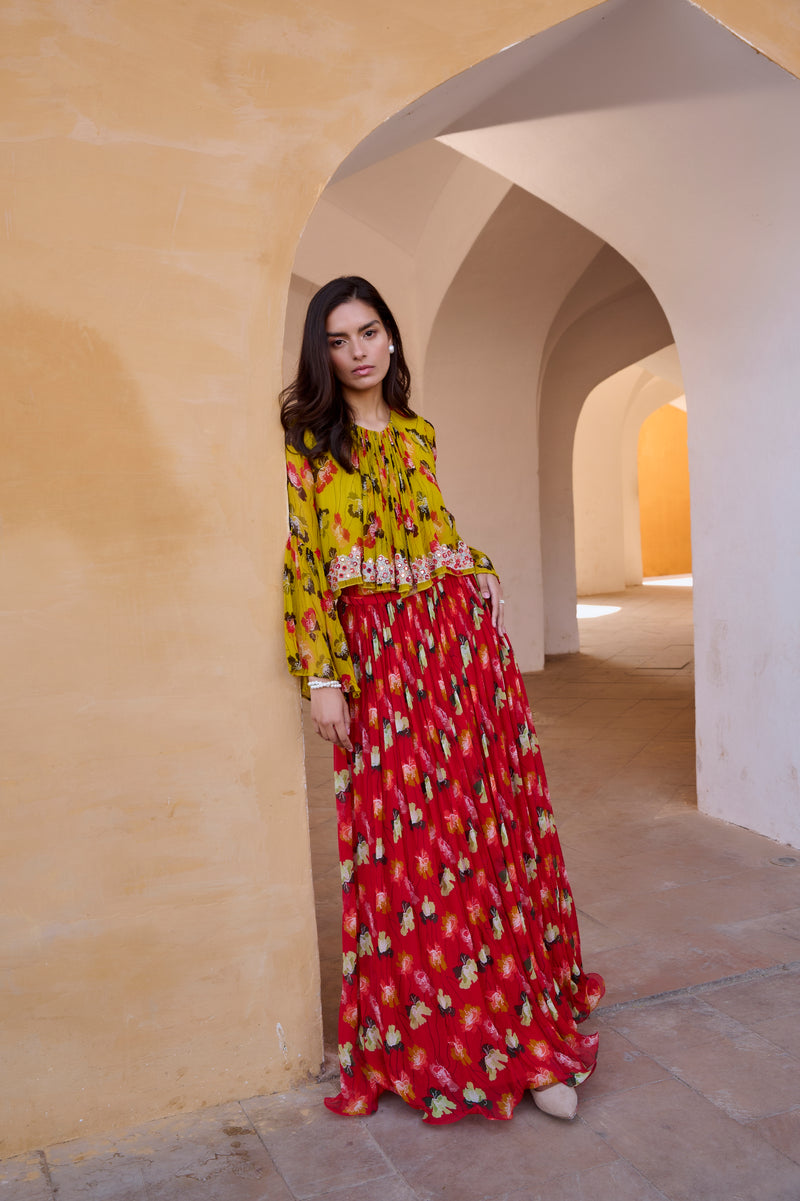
x=680 y=161
x=605 y=478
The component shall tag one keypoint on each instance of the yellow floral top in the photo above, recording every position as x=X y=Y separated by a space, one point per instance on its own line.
x=382 y=527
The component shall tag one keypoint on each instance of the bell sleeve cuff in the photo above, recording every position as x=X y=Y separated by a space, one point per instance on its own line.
x=482 y=562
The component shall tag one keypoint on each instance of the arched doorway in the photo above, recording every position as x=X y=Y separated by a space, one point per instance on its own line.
x=608 y=120
x=609 y=471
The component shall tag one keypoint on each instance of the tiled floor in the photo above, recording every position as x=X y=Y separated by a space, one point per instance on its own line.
x=694 y=924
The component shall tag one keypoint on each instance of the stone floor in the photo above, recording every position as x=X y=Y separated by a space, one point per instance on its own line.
x=695 y=926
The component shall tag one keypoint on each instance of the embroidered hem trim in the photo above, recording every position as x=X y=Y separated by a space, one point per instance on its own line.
x=398 y=572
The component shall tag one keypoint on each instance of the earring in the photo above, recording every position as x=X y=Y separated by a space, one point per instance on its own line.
x=391 y=348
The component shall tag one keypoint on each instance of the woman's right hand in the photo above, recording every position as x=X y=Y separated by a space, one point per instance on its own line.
x=330 y=715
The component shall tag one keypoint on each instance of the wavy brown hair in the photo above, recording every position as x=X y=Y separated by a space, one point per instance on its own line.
x=314 y=403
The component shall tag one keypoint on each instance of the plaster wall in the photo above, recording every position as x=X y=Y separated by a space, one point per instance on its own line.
x=158 y=931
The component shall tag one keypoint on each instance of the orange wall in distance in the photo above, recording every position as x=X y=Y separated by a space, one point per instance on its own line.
x=664 y=493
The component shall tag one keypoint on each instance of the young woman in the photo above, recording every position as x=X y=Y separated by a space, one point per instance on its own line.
x=462 y=977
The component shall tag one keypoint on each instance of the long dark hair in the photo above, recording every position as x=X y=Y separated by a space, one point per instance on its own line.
x=313 y=403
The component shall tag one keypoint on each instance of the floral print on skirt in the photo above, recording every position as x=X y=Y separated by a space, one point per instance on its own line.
x=462 y=977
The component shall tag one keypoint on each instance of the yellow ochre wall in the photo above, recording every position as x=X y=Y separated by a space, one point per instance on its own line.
x=664 y=518
x=158 y=164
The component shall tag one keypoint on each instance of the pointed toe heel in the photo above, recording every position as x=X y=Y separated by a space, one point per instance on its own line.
x=559 y=1100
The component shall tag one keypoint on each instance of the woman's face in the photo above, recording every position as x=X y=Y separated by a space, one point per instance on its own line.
x=358 y=345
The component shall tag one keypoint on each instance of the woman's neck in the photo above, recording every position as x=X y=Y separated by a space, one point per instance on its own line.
x=368 y=409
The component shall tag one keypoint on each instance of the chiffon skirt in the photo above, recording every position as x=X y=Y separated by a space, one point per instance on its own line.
x=462 y=977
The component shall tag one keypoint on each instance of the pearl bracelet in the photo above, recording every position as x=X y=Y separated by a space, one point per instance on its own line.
x=324 y=684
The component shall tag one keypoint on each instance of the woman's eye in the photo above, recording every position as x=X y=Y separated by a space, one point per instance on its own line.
x=336 y=343
x=370 y=333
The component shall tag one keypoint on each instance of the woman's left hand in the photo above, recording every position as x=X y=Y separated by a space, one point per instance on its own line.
x=491 y=591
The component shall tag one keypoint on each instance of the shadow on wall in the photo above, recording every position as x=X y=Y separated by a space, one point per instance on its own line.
x=76 y=455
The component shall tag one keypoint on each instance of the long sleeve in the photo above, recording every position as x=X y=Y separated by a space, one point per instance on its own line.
x=315 y=641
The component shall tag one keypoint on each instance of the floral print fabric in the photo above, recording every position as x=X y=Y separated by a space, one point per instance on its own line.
x=381 y=527
x=462 y=977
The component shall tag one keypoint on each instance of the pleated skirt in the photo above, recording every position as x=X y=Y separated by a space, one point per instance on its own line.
x=462 y=979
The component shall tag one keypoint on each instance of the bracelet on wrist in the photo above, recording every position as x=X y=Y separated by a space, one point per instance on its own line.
x=324 y=684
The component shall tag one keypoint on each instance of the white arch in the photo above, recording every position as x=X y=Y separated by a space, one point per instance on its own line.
x=608 y=553
x=651 y=125
x=481 y=374
x=406 y=223
x=604 y=340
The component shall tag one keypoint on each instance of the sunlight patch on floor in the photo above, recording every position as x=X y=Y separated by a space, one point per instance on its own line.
x=596 y=610
x=669 y=581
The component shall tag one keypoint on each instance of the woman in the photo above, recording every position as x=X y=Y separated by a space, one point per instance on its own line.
x=462 y=980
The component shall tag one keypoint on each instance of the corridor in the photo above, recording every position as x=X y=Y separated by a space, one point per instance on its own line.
x=694 y=924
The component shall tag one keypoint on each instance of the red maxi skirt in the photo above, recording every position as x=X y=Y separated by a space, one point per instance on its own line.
x=462 y=977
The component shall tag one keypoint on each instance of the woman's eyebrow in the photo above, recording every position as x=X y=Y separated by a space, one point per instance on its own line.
x=361 y=328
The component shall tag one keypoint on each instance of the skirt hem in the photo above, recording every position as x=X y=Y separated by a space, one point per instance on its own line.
x=462 y=976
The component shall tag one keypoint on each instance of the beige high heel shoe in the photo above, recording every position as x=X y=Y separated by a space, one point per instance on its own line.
x=559 y=1100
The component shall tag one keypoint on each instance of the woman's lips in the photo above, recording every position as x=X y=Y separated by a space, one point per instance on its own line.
x=362 y=370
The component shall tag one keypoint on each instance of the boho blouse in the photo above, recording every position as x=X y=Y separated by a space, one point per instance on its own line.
x=382 y=528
